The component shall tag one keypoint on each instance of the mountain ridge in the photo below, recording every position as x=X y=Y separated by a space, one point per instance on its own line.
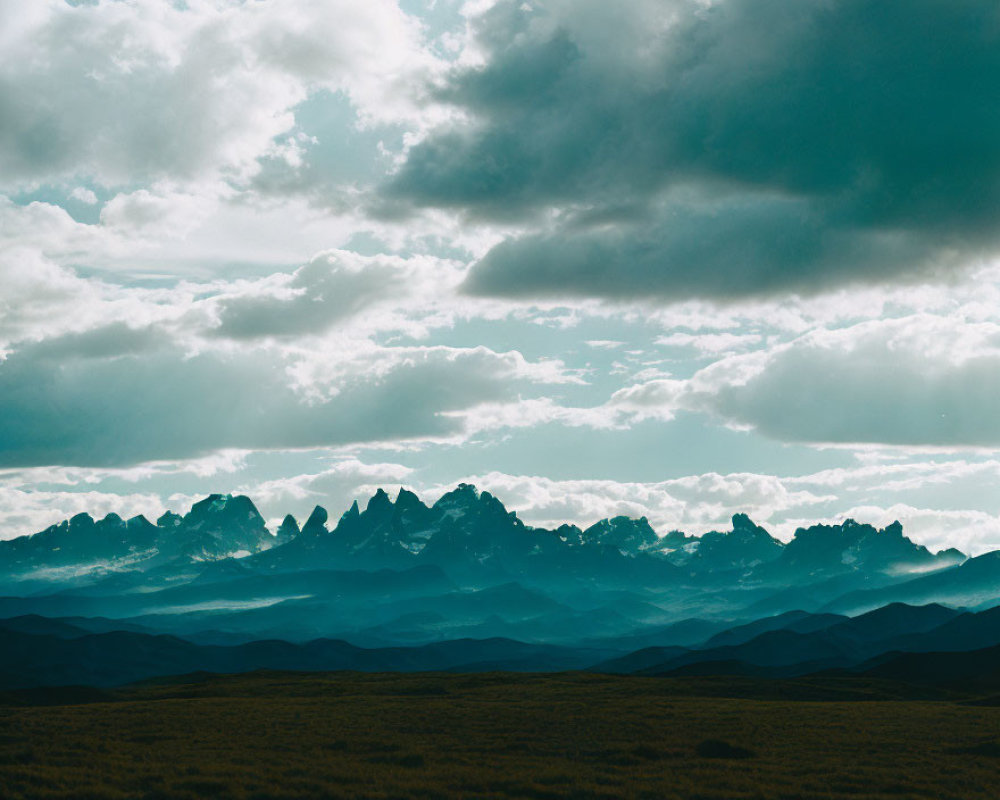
x=396 y=570
x=221 y=526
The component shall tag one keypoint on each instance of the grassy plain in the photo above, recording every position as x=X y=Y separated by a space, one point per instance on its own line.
x=269 y=736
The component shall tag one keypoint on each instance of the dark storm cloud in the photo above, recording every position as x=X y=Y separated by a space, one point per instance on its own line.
x=728 y=250
x=751 y=146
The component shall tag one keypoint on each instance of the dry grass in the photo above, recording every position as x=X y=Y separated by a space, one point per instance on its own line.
x=510 y=736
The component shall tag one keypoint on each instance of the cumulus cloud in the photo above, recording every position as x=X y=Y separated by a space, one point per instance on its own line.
x=726 y=149
x=29 y=510
x=42 y=299
x=45 y=230
x=218 y=463
x=122 y=407
x=84 y=195
x=159 y=212
x=335 y=488
x=694 y=503
x=901 y=477
x=126 y=92
x=333 y=287
x=714 y=344
x=916 y=381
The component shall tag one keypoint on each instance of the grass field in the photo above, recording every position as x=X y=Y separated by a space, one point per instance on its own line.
x=511 y=736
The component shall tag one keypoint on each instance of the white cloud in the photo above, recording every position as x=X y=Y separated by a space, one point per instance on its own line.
x=125 y=91
x=334 y=488
x=159 y=213
x=24 y=510
x=714 y=344
x=695 y=504
x=409 y=295
x=899 y=477
x=530 y=412
x=918 y=380
x=84 y=195
x=94 y=399
x=218 y=463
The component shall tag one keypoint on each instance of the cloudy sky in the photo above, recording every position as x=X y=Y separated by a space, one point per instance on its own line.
x=678 y=258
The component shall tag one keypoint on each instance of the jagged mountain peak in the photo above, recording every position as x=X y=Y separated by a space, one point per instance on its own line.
x=465 y=505
x=407 y=499
x=624 y=533
x=462 y=496
x=746 y=546
x=831 y=535
x=675 y=538
x=218 y=525
x=952 y=554
x=851 y=529
x=410 y=511
x=491 y=504
x=207 y=504
x=316 y=523
x=857 y=546
x=742 y=522
x=571 y=534
x=169 y=520
x=228 y=504
x=287 y=530
x=379 y=508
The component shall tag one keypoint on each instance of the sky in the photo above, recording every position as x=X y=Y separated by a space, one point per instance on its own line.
x=672 y=258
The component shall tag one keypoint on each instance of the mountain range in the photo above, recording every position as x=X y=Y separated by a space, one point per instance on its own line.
x=399 y=584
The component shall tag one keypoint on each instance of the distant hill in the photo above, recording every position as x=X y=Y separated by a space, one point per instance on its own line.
x=975 y=670
x=974 y=582
x=796 y=621
x=847 y=644
x=111 y=659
